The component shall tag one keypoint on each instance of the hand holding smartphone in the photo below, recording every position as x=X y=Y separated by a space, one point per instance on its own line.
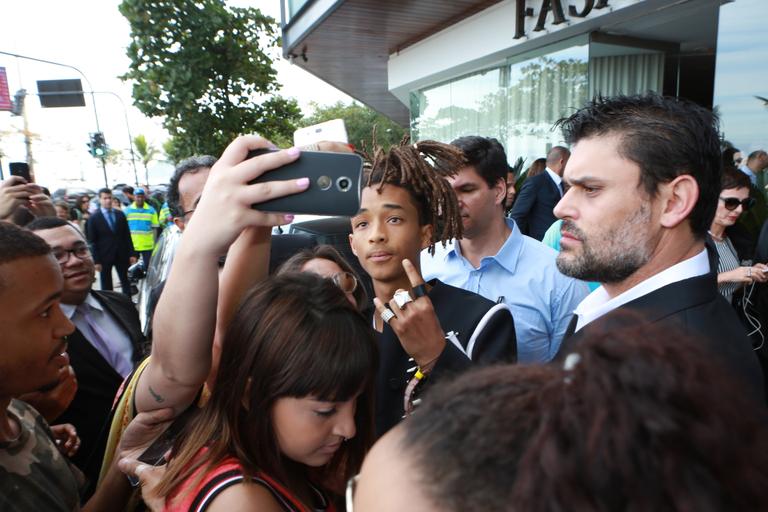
x=334 y=184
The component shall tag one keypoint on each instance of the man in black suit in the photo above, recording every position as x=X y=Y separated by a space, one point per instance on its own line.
x=104 y=347
x=110 y=239
x=643 y=185
x=532 y=210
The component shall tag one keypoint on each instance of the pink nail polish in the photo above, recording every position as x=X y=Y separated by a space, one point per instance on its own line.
x=294 y=151
x=288 y=218
x=302 y=182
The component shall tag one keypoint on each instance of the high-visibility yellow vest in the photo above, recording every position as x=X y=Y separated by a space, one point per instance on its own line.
x=140 y=222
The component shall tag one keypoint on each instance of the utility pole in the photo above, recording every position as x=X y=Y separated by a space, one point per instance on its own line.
x=19 y=109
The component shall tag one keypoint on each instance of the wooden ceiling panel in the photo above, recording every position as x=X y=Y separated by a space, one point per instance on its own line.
x=350 y=47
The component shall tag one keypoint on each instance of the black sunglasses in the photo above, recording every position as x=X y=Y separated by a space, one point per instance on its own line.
x=731 y=203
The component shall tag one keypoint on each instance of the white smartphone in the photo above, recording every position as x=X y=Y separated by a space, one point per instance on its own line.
x=333 y=130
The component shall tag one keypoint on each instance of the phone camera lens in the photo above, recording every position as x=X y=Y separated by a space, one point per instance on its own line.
x=324 y=182
x=344 y=184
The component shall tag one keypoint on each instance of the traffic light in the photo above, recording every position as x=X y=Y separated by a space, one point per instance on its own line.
x=97 y=147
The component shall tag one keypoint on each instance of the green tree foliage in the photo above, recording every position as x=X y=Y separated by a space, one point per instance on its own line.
x=205 y=68
x=359 y=121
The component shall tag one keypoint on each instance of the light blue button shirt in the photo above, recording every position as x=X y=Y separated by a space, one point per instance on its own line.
x=524 y=272
x=749 y=172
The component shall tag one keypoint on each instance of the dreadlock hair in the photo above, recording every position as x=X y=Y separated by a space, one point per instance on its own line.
x=421 y=169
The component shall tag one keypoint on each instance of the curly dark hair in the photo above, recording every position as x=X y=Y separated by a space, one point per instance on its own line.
x=643 y=421
x=421 y=169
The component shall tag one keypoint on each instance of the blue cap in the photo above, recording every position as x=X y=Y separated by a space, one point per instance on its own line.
x=139 y=191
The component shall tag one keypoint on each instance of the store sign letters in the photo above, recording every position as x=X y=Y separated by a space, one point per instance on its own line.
x=577 y=9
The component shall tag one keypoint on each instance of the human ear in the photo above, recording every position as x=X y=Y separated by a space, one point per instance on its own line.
x=352 y=245
x=679 y=196
x=426 y=236
x=179 y=223
x=500 y=191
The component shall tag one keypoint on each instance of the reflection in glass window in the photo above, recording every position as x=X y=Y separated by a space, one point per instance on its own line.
x=517 y=103
x=741 y=74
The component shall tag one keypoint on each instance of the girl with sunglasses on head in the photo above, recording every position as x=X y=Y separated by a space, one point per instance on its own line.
x=327 y=262
x=734 y=200
x=290 y=407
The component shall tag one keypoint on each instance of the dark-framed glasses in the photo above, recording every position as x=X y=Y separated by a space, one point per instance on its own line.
x=731 y=203
x=346 y=281
x=62 y=255
x=349 y=495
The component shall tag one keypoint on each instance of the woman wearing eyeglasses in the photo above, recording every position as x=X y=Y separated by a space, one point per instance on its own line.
x=326 y=261
x=734 y=200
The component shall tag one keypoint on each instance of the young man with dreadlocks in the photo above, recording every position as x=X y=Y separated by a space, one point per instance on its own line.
x=427 y=330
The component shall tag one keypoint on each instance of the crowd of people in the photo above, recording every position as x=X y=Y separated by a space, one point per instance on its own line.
x=468 y=365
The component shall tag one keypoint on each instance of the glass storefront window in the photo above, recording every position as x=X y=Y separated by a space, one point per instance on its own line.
x=292 y=7
x=516 y=103
x=741 y=75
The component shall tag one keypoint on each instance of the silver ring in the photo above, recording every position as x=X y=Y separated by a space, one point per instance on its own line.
x=402 y=298
x=387 y=315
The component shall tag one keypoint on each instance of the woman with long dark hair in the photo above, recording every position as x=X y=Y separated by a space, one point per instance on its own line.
x=291 y=406
x=289 y=412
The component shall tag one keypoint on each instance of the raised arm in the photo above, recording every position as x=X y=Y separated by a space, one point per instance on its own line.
x=247 y=263
x=185 y=320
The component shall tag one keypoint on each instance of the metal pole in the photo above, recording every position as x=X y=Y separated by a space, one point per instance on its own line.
x=93 y=98
x=128 y=127
x=125 y=116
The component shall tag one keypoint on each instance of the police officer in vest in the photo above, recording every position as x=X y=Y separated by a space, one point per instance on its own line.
x=142 y=222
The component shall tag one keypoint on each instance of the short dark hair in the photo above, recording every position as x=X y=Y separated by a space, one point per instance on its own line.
x=486 y=155
x=104 y=190
x=666 y=137
x=728 y=154
x=189 y=165
x=41 y=223
x=128 y=189
x=733 y=178
x=17 y=243
x=632 y=425
x=755 y=154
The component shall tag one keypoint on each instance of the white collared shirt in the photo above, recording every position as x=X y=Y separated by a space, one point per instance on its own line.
x=599 y=303
x=120 y=345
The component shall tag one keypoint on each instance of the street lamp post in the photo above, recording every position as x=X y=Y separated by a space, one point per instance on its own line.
x=93 y=98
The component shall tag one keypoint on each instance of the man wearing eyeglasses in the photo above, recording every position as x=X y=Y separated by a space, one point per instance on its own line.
x=104 y=347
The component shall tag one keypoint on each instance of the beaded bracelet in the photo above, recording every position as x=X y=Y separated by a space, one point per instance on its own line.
x=421 y=373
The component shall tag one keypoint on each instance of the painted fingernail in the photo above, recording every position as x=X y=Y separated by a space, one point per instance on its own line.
x=294 y=151
x=288 y=218
x=302 y=182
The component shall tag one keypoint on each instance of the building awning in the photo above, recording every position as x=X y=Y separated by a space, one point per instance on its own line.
x=348 y=43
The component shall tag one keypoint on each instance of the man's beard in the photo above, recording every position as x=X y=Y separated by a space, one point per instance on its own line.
x=610 y=257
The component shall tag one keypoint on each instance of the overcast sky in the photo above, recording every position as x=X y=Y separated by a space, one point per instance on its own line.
x=92 y=36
